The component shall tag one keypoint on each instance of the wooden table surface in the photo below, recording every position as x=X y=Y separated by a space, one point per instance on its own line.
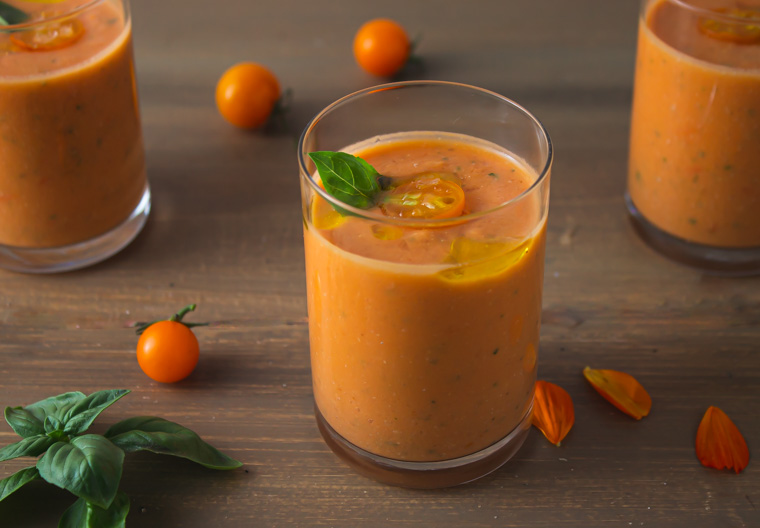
x=225 y=232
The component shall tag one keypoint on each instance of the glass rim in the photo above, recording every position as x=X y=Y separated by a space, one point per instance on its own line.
x=703 y=11
x=74 y=10
x=422 y=222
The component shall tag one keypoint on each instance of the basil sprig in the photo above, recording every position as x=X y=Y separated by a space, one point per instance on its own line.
x=348 y=178
x=90 y=465
x=10 y=15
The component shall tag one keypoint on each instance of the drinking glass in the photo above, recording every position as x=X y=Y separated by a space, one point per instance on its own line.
x=424 y=332
x=73 y=188
x=693 y=189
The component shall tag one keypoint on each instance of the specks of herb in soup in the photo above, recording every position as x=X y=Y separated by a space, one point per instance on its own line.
x=695 y=178
x=637 y=175
x=702 y=154
x=53 y=217
x=445 y=158
x=728 y=167
x=751 y=112
x=664 y=159
x=692 y=220
x=112 y=21
x=514 y=170
x=495 y=351
x=495 y=384
x=432 y=401
x=656 y=133
x=99 y=142
x=459 y=168
x=79 y=107
x=493 y=175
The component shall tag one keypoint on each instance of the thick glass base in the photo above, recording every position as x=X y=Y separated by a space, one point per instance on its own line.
x=426 y=475
x=718 y=261
x=74 y=256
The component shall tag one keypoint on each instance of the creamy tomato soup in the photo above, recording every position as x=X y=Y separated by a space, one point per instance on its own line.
x=424 y=340
x=71 y=154
x=695 y=133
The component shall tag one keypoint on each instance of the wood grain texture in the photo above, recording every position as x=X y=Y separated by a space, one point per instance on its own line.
x=225 y=232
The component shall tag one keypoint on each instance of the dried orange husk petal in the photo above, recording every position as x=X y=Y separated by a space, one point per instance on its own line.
x=719 y=442
x=621 y=390
x=553 y=411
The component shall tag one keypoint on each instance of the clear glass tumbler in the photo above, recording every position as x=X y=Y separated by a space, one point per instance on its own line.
x=73 y=189
x=424 y=331
x=693 y=187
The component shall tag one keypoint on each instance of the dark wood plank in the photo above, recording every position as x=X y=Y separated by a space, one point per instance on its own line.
x=225 y=232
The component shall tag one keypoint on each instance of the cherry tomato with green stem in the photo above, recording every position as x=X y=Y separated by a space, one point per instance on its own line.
x=168 y=351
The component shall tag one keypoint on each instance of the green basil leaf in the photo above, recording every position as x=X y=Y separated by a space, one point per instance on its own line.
x=10 y=484
x=89 y=466
x=80 y=416
x=55 y=406
x=23 y=422
x=149 y=433
x=32 y=446
x=82 y=514
x=10 y=15
x=348 y=178
x=52 y=424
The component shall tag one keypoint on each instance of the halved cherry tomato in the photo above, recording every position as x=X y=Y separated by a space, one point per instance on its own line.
x=381 y=47
x=738 y=31
x=246 y=94
x=427 y=195
x=49 y=36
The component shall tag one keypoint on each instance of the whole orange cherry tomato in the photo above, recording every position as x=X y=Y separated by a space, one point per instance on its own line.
x=168 y=351
x=246 y=94
x=381 y=47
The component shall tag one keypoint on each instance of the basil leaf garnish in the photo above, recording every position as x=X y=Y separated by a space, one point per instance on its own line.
x=23 y=476
x=89 y=466
x=149 y=433
x=32 y=446
x=10 y=15
x=23 y=422
x=56 y=406
x=348 y=178
x=83 y=514
x=80 y=416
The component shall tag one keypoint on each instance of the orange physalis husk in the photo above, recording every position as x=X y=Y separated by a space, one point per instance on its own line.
x=719 y=442
x=621 y=390
x=553 y=412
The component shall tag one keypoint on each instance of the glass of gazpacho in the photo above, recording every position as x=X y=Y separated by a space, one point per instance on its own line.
x=424 y=269
x=694 y=169
x=73 y=188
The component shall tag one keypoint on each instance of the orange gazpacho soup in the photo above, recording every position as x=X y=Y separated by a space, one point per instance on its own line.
x=424 y=339
x=71 y=154
x=695 y=132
